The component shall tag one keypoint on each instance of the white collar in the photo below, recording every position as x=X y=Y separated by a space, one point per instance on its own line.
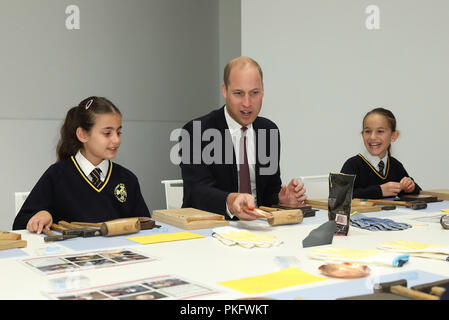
x=233 y=125
x=87 y=166
x=374 y=160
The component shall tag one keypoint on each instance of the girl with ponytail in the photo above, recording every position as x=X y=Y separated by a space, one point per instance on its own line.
x=378 y=174
x=84 y=185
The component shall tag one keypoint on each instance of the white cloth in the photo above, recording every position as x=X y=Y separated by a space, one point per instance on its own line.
x=231 y=236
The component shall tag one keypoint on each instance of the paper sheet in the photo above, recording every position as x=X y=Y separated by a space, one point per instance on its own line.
x=271 y=281
x=166 y=237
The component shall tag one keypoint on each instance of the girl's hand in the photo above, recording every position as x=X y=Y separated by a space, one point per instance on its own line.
x=40 y=220
x=391 y=189
x=407 y=184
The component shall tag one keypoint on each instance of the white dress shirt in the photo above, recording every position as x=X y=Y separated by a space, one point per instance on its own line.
x=374 y=160
x=87 y=166
x=236 y=133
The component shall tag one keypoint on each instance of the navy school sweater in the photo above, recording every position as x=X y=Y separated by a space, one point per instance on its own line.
x=67 y=193
x=368 y=180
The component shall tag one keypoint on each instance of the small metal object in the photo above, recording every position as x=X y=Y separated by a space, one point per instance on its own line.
x=444 y=220
x=388 y=207
x=345 y=270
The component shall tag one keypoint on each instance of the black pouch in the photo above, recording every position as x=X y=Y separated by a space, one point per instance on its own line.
x=339 y=201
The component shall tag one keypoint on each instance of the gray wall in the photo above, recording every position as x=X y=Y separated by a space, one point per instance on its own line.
x=323 y=70
x=157 y=60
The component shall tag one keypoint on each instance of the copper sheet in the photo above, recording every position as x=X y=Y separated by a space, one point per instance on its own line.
x=345 y=270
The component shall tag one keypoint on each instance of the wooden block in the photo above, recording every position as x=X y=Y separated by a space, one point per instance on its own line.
x=282 y=217
x=442 y=194
x=6 y=235
x=190 y=218
x=11 y=244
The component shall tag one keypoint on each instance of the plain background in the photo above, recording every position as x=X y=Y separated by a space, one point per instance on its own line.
x=324 y=70
x=161 y=62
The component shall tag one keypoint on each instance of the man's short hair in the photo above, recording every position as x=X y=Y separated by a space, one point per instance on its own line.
x=241 y=62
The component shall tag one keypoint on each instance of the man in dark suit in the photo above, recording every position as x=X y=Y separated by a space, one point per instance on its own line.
x=230 y=161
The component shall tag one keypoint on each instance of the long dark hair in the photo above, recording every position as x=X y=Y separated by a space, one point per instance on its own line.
x=81 y=116
x=390 y=119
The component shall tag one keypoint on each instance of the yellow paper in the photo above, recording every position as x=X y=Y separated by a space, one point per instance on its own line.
x=277 y=280
x=165 y=237
x=445 y=210
x=413 y=245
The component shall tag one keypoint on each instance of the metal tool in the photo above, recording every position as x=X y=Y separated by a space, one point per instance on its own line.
x=52 y=236
x=415 y=205
x=444 y=220
x=400 y=287
x=73 y=229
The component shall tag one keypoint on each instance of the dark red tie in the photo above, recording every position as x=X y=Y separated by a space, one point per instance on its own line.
x=245 y=183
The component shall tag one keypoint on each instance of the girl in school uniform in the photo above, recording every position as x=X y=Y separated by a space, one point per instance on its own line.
x=378 y=174
x=84 y=185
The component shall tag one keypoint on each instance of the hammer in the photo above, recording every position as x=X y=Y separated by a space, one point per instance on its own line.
x=400 y=287
x=113 y=227
x=73 y=229
x=415 y=205
x=145 y=223
x=51 y=236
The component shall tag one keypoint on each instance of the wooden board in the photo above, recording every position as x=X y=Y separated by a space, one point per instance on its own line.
x=190 y=218
x=322 y=204
x=11 y=244
x=442 y=194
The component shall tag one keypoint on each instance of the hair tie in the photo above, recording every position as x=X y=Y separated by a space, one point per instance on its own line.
x=88 y=104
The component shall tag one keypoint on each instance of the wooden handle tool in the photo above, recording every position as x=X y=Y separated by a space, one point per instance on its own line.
x=6 y=235
x=413 y=293
x=11 y=244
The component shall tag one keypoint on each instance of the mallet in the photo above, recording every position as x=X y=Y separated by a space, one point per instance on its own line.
x=400 y=287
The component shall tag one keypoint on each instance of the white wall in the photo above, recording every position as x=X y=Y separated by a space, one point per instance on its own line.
x=157 y=60
x=323 y=70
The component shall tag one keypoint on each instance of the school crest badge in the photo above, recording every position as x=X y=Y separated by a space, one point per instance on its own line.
x=120 y=192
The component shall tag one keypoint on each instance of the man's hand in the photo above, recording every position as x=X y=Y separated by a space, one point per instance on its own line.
x=293 y=194
x=237 y=202
x=40 y=220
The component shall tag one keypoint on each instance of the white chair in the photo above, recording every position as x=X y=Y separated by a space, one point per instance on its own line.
x=317 y=187
x=173 y=193
x=20 y=198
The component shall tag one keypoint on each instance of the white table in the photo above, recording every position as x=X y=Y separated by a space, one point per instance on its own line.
x=207 y=261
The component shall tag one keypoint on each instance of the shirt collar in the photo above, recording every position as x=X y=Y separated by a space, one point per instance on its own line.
x=87 y=166
x=233 y=125
x=374 y=160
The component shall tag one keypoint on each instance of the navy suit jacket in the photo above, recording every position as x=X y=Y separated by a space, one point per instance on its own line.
x=206 y=186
